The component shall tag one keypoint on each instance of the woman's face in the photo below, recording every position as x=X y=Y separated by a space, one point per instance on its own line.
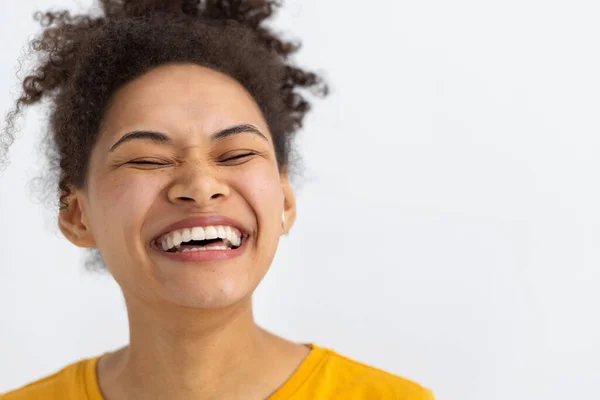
x=180 y=148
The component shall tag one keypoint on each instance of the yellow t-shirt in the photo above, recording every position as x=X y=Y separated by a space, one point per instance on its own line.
x=323 y=374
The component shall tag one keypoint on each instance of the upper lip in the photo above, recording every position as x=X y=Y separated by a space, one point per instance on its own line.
x=207 y=220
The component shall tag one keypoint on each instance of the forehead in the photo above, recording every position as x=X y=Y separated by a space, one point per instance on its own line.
x=182 y=97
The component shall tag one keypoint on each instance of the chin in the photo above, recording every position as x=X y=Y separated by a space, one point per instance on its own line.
x=213 y=292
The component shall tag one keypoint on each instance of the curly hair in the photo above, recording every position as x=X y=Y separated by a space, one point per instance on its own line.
x=82 y=60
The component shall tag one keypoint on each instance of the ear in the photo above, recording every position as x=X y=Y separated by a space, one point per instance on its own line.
x=289 y=204
x=73 y=222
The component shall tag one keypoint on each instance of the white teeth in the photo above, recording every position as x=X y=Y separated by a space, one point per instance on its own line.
x=198 y=233
x=210 y=232
x=186 y=235
x=186 y=250
x=193 y=249
x=220 y=247
x=231 y=237
x=177 y=238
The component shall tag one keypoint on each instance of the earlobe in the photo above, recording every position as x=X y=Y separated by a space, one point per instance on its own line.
x=289 y=205
x=73 y=225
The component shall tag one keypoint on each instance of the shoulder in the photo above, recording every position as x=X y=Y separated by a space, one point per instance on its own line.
x=353 y=379
x=65 y=383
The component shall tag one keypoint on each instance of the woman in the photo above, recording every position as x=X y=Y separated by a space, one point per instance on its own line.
x=171 y=127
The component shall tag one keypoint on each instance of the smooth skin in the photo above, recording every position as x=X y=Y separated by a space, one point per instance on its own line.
x=192 y=332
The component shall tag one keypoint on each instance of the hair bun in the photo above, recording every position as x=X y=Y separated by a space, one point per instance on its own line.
x=247 y=12
x=140 y=8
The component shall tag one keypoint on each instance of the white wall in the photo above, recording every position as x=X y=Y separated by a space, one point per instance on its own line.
x=449 y=228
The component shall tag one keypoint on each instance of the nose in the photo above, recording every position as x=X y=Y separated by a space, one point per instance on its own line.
x=197 y=186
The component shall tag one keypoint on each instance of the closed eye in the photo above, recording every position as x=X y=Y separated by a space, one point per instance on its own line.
x=239 y=156
x=147 y=162
x=238 y=159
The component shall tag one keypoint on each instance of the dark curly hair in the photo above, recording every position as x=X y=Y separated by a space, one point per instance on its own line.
x=82 y=59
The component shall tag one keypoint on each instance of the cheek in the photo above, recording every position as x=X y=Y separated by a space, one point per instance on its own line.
x=124 y=199
x=261 y=187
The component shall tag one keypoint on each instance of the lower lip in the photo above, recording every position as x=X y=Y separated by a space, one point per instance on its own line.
x=203 y=255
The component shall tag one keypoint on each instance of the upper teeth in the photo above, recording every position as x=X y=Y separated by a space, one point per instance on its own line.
x=175 y=238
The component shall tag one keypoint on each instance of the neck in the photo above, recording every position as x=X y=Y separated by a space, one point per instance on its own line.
x=190 y=353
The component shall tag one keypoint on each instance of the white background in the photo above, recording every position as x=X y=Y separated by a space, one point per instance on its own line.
x=449 y=219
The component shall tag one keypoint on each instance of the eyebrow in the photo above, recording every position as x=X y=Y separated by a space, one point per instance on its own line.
x=159 y=137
